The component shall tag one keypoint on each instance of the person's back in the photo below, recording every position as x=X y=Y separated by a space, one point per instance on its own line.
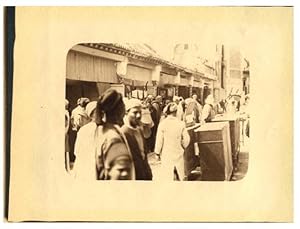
x=172 y=138
x=208 y=112
x=172 y=129
x=192 y=113
x=109 y=157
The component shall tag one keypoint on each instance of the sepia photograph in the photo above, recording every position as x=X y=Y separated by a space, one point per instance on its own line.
x=142 y=114
x=174 y=113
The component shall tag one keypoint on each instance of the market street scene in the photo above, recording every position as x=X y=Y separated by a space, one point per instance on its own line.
x=146 y=112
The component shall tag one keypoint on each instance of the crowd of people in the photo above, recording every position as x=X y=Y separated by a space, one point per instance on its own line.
x=114 y=135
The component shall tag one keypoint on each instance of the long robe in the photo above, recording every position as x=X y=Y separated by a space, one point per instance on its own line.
x=172 y=138
x=85 y=148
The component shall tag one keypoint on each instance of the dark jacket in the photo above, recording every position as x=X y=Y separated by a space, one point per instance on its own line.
x=142 y=168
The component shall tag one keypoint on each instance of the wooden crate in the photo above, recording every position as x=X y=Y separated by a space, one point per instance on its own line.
x=234 y=127
x=215 y=151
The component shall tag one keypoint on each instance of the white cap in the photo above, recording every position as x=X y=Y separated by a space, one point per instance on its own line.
x=130 y=103
x=90 y=107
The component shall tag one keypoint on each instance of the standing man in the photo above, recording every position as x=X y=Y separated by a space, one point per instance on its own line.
x=84 y=166
x=147 y=121
x=208 y=110
x=157 y=106
x=199 y=106
x=112 y=153
x=132 y=130
x=155 y=115
x=79 y=118
x=192 y=114
x=172 y=139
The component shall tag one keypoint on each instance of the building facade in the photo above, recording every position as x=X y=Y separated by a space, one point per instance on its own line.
x=232 y=74
x=135 y=70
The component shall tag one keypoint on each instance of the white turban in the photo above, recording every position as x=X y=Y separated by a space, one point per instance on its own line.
x=131 y=103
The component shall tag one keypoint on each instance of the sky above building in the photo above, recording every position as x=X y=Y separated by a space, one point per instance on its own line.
x=218 y=34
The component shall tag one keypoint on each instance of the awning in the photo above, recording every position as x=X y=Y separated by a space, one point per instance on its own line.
x=138 y=73
x=197 y=84
x=184 y=82
x=90 y=68
x=167 y=79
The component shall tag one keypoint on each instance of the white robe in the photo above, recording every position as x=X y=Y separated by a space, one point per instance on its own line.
x=172 y=137
x=85 y=165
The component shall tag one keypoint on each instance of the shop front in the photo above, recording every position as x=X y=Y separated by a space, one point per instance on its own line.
x=76 y=89
x=184 y=89
x=138 y=80
x=166 y=92
x=88 y=76
x=166 y=87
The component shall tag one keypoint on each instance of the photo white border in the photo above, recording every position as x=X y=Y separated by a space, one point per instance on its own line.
x=187 y=3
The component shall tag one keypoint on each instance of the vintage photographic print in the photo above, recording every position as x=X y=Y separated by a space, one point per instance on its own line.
x=138 y=112
x=152 y=114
